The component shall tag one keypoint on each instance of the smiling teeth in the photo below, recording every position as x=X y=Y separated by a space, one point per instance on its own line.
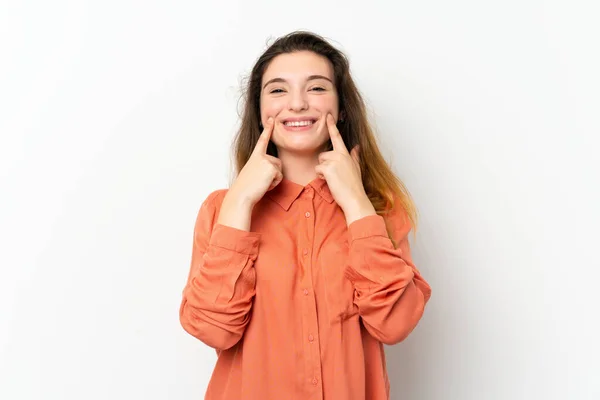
x=300 y=123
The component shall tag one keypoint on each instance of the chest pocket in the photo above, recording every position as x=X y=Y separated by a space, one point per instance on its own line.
x=339 y=291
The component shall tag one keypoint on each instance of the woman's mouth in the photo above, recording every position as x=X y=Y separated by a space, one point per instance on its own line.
x=299 y=125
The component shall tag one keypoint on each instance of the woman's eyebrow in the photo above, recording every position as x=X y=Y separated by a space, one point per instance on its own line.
x=310 y=78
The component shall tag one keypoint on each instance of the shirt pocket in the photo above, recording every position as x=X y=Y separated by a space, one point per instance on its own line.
x=339 y=291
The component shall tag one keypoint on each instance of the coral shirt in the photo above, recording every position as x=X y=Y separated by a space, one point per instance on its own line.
x=299 y=308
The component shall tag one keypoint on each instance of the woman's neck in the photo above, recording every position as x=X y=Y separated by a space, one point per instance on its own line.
x=298 y=168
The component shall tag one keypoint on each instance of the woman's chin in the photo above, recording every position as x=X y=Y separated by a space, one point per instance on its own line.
x=300 y=143
x=304 y=147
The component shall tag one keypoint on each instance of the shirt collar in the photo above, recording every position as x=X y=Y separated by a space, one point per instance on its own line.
x=287 y=191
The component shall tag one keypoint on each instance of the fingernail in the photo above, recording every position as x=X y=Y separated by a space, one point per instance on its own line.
x=270 y=120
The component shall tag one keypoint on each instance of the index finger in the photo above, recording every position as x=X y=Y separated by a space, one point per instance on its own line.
x=334 y=134
x=263 y=140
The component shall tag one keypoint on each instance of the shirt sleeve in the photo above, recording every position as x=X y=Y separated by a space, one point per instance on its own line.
x=390 y=293
x=220 y=288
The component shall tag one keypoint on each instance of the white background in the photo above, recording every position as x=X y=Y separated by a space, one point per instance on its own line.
x=116 y=119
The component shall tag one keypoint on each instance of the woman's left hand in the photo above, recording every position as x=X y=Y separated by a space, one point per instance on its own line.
x=341 y=169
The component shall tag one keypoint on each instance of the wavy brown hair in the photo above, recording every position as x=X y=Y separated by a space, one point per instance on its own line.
x=382 y=186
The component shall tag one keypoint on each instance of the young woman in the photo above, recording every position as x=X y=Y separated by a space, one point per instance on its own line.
x=301 y=270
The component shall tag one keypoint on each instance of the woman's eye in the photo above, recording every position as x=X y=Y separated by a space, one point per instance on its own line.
x=276 y=91
x=318 y=89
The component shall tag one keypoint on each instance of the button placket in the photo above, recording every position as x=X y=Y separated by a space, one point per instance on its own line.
x=313 y=359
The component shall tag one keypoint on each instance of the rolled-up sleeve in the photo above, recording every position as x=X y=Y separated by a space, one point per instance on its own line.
x=220 y=288
x=390 y=293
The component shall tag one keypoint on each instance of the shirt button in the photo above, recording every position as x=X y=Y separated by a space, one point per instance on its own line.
x=311 y=338
x=307 y=214
x=315 y=381
x=305 y=291
x=305 y=251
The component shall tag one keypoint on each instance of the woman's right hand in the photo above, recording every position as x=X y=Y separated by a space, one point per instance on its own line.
x=261 y=173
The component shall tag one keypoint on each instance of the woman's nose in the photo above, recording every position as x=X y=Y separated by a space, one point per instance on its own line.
x=298 y=101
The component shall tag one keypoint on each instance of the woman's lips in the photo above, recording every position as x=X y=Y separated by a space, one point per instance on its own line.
x=298 y=126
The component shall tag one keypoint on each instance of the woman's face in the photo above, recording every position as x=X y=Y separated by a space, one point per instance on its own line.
x=298 y=92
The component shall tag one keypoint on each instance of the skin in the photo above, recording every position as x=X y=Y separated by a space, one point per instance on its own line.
x=298 y=85
x=299 y=96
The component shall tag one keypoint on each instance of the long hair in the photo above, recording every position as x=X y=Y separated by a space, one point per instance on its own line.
x=382 y=186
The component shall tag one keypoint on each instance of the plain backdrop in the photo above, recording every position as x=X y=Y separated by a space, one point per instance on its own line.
x=116 y=119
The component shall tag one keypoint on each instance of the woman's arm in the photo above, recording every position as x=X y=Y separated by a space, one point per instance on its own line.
x=221 y=284
x=390 y=292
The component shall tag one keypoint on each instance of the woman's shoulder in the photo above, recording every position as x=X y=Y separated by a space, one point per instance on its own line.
x=209 y=211
x=214 y=199
x=216 y=196
x=397 y=217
